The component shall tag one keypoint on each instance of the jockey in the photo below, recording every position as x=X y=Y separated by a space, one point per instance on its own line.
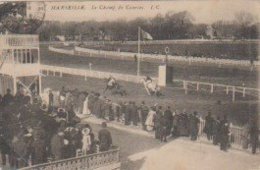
x=148 y=79
x=111 y=81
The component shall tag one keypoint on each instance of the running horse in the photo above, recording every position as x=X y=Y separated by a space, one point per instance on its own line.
x=111 y=83
x=151 y=87
x=114 y=87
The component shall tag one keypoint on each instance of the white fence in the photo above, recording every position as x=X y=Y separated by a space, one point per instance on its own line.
x=125 y=55
x=88 y=73
x=222 y=87
x=63 y=51
x=186 y=85
x=149 y=57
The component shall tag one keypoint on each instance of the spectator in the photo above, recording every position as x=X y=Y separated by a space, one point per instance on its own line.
x=208 y=126
x=8 y=97
x=163 y=128
x=246 y=135
x=169 y=120
x=149 y=123
x=57 y=145
x=51 y=101
x=194 y=126
x=104 y=137
x=143 y=114
x=39 y=155
x=224 y=134
x=128 y=113
x=4 y=147
x=157 y=122
x=254 y=133
x=18 y=154
x=134 y=114
x=216 y=131
x=86 y=141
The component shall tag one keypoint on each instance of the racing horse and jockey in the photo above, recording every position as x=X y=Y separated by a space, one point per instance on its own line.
x=151 y=87
x=114 y=87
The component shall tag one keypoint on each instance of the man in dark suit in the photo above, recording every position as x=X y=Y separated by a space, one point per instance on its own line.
x=104 y=137
x=8 y=97
x=143 y=113
x=169 y=120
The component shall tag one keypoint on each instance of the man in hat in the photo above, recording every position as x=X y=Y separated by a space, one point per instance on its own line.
x=127 y=113
x=143 y=114
x=134 y=114
x=194 y=126
x=8 y=97
x=51 y=101
x=158 y=122
x=169 y=120
x=57 y=145
x=254 y=133
x=224 y=134
x=4 y=147
x=208 y=126
x=104 y=137
x=39 y=154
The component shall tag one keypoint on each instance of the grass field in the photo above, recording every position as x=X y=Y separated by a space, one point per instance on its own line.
x=219 y=49
x=202 y=102
x=230 y=76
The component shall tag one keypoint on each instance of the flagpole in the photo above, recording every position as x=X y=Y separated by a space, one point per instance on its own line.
x=138 y=54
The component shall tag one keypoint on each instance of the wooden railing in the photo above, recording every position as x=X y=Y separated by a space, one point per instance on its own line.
x=186 y=84
x=88 y=73
x=107 y=160
x=189 y=59
x=236 y=133
x=63 y=51
x=216 y=87
x=22 y=40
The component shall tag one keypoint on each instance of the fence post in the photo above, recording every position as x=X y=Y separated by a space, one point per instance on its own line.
x=226 y=89
x=85 y=78
x=211 y=89
x=47 y=72
x=60 y=73
x=185 y=84
x=244 y=92
x=233 y=94
x=197 y=86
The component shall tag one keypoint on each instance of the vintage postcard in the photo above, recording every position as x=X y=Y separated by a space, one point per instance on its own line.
x=130 y=85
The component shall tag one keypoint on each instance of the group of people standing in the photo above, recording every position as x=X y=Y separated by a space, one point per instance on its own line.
x=218 y=131
x=166 y=122
x=31 y=133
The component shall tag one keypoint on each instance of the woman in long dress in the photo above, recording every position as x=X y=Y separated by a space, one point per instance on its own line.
x=86 y=110
x=150 y=120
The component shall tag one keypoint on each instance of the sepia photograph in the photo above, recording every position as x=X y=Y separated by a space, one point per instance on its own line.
x=130 y=85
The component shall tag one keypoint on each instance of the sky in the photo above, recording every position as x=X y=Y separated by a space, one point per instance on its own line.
x=203 y=11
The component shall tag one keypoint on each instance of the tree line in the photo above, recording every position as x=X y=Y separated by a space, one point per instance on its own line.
x=172 y=25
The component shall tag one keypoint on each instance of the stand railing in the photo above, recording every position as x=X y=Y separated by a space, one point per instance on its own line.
x=104 y=160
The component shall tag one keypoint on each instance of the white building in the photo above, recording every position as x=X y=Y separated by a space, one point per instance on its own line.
x=20 y=63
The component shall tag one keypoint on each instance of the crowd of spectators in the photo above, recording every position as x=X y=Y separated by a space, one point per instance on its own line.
x=165 y=122
x=31 y=133
x=35 y=131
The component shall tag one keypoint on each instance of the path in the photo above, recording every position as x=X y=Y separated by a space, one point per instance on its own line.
x=139 y=151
